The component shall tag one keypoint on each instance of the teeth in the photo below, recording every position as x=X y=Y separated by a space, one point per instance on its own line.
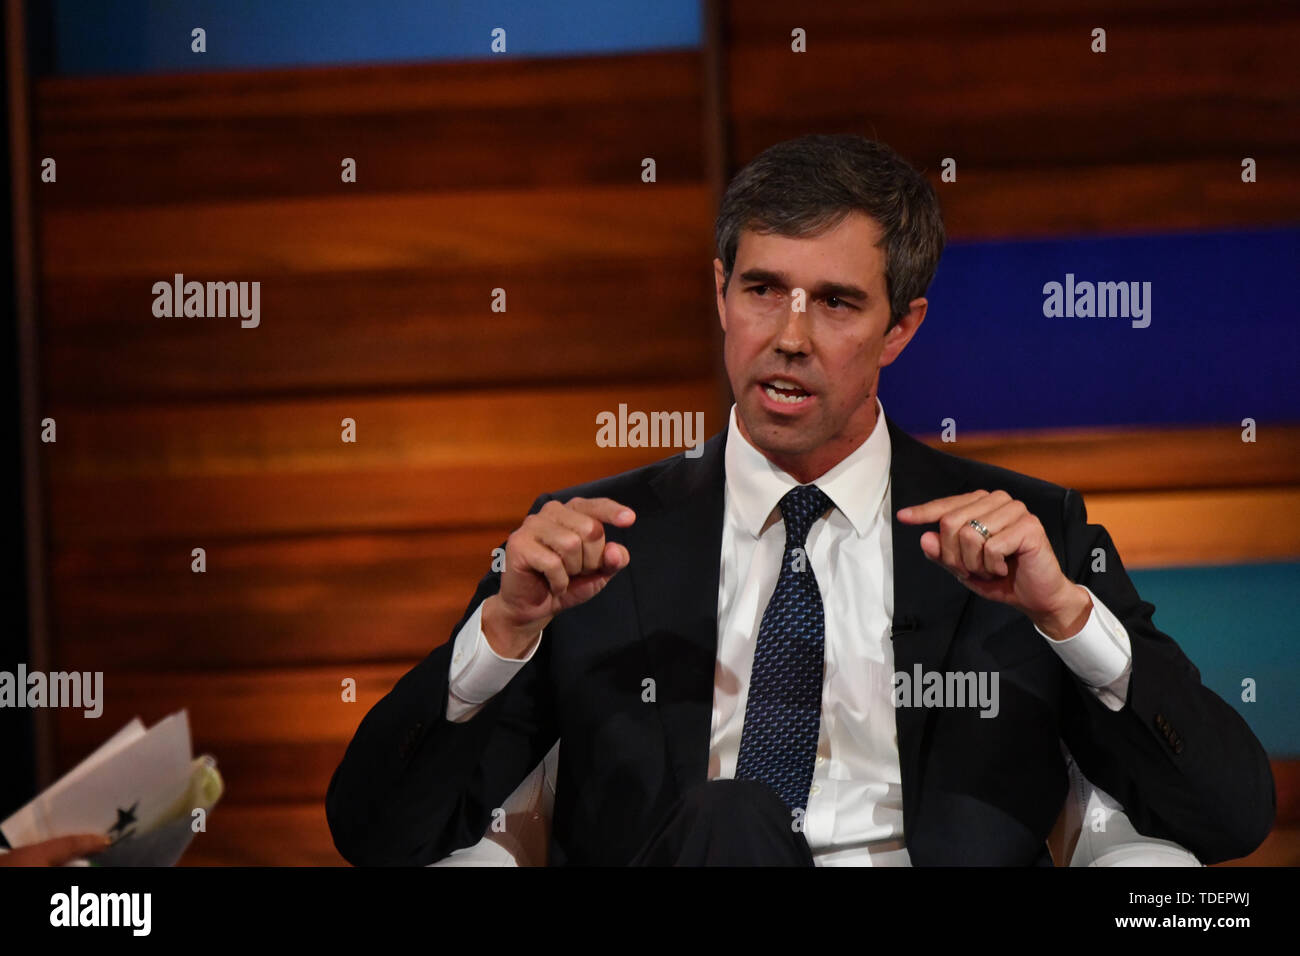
x=776 y=396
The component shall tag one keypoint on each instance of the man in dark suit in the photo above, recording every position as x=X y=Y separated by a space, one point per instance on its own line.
x=819 y=641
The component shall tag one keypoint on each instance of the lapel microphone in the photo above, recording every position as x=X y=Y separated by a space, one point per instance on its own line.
x=904 y=626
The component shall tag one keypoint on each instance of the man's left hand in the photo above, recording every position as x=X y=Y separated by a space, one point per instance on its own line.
x=1014 y=565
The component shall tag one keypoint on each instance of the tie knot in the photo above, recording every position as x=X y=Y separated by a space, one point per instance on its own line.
x=800 y=507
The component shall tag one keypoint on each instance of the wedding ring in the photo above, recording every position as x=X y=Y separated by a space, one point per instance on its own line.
x=980 y=528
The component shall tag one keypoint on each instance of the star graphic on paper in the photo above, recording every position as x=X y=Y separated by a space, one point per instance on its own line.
x=124 y=819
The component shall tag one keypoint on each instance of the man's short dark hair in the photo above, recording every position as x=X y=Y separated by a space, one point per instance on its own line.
x=802 y=187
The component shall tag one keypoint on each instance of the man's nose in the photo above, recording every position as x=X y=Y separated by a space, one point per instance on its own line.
x=794 y=337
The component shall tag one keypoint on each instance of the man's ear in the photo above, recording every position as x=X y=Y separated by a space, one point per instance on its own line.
x=896 y=339
x=719 y=279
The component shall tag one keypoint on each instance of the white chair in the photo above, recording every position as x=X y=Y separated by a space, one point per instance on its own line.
x=1091 y=831
x=525 y=837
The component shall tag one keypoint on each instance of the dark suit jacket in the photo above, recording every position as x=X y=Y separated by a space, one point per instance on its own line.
x=414 y=786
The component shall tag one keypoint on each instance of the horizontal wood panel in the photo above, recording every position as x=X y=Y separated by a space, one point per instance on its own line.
x=257 y=241
x=488 y=123
x=1049 y=138
x=1286 y=780
x=265 y=603
x=1201 y=527
x=405 y=329
x=1280 y=848
x=1141 y=459
x=291 y=834
x=1163 y=90
x=1047 y=201
x=280 y=467
x=235 y=708
x=751 y=21
x=459 y=429
x=411 y=90
x=193 y=509
x=277 y=771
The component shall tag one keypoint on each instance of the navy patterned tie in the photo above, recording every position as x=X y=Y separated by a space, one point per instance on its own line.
x=778 y=744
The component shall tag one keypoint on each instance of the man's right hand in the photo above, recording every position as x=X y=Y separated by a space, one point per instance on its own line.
x=557 y=559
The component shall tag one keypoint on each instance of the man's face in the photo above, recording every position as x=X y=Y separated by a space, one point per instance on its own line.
x=805 y=381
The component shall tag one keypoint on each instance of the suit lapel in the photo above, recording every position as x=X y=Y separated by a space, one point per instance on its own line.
x=675 y=551
x=928 y=601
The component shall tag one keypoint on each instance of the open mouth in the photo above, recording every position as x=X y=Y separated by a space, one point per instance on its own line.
x=785 y=392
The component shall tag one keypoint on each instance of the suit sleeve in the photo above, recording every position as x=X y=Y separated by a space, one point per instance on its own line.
x=1182 y=762
x=413 y=786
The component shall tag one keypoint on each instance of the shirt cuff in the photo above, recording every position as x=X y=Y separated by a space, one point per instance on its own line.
x=1100 y=655
x=478 y=673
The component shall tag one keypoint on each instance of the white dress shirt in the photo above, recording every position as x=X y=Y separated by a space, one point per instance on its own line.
x=855 y=806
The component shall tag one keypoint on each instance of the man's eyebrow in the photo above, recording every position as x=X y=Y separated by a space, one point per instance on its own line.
x=821 y=290
x=838 y=289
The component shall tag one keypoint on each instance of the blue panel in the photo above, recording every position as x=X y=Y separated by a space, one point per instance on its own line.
x=1235 y=623
x=1223 y=343
x=153 y=36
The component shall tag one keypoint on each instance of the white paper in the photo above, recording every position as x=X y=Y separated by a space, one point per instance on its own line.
x=124 y=786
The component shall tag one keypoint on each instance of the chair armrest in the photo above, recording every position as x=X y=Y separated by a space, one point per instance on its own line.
x=1102 y=834
x=527 y=834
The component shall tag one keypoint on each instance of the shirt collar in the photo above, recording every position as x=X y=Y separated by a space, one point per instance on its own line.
x=856 y=485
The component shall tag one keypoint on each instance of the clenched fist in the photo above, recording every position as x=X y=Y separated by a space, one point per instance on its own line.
x=558 y=558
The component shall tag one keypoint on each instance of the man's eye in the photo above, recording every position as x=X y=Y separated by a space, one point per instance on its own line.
x=756 y=288
x=832 y=301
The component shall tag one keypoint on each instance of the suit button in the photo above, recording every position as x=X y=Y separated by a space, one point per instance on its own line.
x=1161 y=722
x=1178 y=746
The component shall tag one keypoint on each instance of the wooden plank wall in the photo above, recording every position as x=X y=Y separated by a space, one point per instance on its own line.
x=1050 y=138
x=328 y=560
